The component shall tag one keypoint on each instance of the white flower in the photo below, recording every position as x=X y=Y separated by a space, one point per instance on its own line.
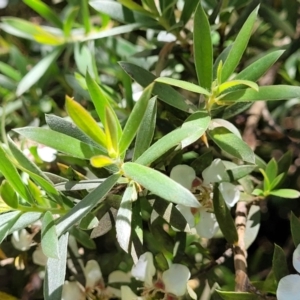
x=46 y=154
x=172 y=283
x=288 y=286
x=94 y=284
x=21 y=240
x=203 y=219
x=38 y=257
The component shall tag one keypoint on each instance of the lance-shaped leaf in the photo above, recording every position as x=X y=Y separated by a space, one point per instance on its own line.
x=238 y=46
x=60 y=142
x=257 y=69
x=85 y=121
x=203 y=52
x=269 y=92
x=86 y=205
x=100 y=101
x=8 y=194
x=160 y=184
x=252 y=225
x=49 y=238
x=229 y=84
x=45 y=11
x=163 y=92
x=101 y=161
x=232 y=144
x=286 y=193
x=225 y=295
x=9 y=171
x=146 y=130
x=111 y=132
x=24 y=220
x=135 y=119
x=164 y=144
x=37 y=71
x=224 y=217
x=295 y=229
x=70 y=16
x=124 y=217
x=183 y=84
x=279 y=265
x=56 y=271
x=7 y=221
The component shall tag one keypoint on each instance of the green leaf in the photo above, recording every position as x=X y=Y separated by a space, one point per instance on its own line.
x=85 y=121
x=171 y=214
x=286 y=193
x=236 y=295
x=60 y=142
x=160 y=184
x=232 y=144
x=271 y=170
x=229 y=84
x=44 y=11
x=275 y=183
x=49 y=238
x=124 y=217
x=224 y=217
x=238 y=172
x=120 y=13
x=8 y=194
x=133 y=6
x=56 y=271
x=187 y=11
x=235 y=109
x=37 y=71
x=295 y=229
x=24 y=220
x=164 y=144
x=9 y=171
x=203 y=52
x=238 y=47
x=163 y=92
x=8 y=220
x=83 y=238
x=111 y=132
x=252 y=225
x=86 y=205
x=183 y=84
x=134 y=121
x=271 y=92
x=70 y=16
x=68 y=128
x=10 y=71
x=257 y=69
x=279 y=265
x=100 y=101
x=146 y=130
x=101 y=161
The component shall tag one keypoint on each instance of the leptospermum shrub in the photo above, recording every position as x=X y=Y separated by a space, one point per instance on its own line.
x=160 y=189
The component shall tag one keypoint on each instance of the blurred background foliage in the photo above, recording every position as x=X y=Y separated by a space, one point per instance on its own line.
x=41 y=63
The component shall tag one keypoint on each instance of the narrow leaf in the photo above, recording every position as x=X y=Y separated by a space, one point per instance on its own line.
x=232 y=144
x=49 y=239
x=60 y=142
x=279 y=265
x=135 y=119
x=111 y=132
x=295 y=229
x=183 y=84
x=229 y=84
x=203 y=52
x=86 y=205
x=286 y=193
x=37 y=71
x=252 y=225
x=56 y=271
x=157 y=182
x=238 y=46
x=124 y=217
x=85 y=121
x=101 y=161
x=224 y=217
x=8 y=194
x=146 y=130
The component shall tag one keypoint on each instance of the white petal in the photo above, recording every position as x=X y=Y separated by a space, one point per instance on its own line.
x=184 y=175
x=144 y=270
x=72 y=291
x=296 y=259
x=117 y=276
x=288 y=288
x=175 y=279
x=3 y=3
x=92 y=273
x=214 y=173
x=128 y=294
x=47 y=154
x=230 y=193
x=207 y=226
x=21 y=240
x=39 y=258
x=187 y=213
